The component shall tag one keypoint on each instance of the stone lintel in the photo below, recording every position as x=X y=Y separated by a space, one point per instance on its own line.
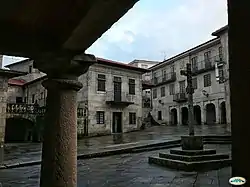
x=192 y=142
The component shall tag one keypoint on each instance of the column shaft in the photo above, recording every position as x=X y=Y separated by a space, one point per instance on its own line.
x=59 y=156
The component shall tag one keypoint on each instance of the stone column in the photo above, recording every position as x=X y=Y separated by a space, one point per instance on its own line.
x=239 y=40
x=217 y=111
x=59 y=158
x=204 y=114
x=59 y=152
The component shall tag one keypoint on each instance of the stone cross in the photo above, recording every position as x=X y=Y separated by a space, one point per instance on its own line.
x=190 y=91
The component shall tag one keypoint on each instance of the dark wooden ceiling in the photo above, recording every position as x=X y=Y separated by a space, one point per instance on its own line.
x=33 y=27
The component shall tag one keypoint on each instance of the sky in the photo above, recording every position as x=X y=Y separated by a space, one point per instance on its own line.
x=154 y=31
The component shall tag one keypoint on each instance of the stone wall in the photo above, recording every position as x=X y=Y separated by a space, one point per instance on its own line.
x=216 y=91
x=97 y=100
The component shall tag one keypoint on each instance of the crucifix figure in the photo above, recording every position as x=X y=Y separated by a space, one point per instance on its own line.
x=190 y=91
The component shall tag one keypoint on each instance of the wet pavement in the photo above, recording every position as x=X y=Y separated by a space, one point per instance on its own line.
x=32 y=151
x=128 y=170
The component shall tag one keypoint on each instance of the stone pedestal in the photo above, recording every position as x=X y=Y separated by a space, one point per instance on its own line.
x=192 y=143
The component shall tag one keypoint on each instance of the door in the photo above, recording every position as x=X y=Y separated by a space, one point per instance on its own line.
x=117 y=122
x=117 y=88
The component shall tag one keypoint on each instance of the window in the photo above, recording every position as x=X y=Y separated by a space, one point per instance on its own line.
x=182 y=85
x=100 y=117
x=172 y=69
x=220 y=53
x=30 y=69
x=19 y=99
x=164 y=75
x=194 y=82
x=163 y=91
x=132 y=118
x=132 y=86
x=101 y=82
x=79 y=112
x=221 y=76
x=207 y=80
x=159 y=115
x=154 y=93
x=155 y=78
x=25 y=99
x=171 y=89
x=41 y=95
x=194 y=63
x=33 y=98
x=207 y=58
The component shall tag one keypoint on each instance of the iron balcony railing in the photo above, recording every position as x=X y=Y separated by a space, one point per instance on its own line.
x=166 y=78
x=207 y=64
x=23 y=108
x=124 y=97
x=180 y=97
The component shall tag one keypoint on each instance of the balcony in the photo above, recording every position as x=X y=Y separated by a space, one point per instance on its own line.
x=207 y=65
x=122 y=99
x=180 y=97
x=167 y=78
x=23 y=108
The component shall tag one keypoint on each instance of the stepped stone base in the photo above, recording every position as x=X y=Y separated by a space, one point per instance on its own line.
x=192 y=157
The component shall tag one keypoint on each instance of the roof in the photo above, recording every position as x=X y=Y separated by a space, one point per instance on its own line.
x=188 y=52
x=220 y=31
x=11 y=73
x=16 y=82
x=121 y=65
x=99 y=61
x=143 y=61
x=18 y=62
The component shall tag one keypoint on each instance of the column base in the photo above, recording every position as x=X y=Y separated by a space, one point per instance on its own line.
x=192 y=142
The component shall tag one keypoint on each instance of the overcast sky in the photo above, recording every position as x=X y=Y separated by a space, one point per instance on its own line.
x=153 y=30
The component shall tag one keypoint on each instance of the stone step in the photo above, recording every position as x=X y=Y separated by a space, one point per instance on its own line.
x=193 y=158
x=218 y=137
x=217 y=142
x=190 y=166
x=192 y=152
x=137 y=150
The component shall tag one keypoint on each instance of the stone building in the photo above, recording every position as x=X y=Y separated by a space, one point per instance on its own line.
x=109 y=102
x=209 y=63
x=146 y=93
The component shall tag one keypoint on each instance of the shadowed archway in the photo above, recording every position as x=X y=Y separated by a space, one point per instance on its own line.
x=173 y=114
x=184 y=115
x=18 y=130
x=210 y=114
x=223 y=113
x=197 y=115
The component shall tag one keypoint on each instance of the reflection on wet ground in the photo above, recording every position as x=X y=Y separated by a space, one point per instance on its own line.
x=32 y=151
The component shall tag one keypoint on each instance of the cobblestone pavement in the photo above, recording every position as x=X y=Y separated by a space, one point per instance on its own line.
x=128 y=170
x=32 y=151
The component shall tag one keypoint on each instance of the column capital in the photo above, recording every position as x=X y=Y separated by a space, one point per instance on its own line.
x=67 y=65
x=62 y=84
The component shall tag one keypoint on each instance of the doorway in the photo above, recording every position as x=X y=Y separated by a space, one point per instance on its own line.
x=174 y=120
x=184 y=112
x=223 y=113
x=197 y=115
x=210 y=114
x=117 y=122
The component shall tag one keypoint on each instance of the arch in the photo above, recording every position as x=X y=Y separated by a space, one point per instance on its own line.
x=210 y=114
x=197 y=115
x=18 y=130
x=184 y=115
x=223 y=113
x=173 y=114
